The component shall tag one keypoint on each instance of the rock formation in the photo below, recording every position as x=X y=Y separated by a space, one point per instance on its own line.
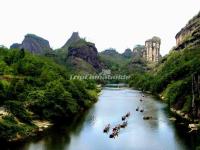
x=152 y=49
x=34 y=44
x=62 y=52
x=85 y=51
x=190 y=34
x=73 y=39
x=150 y=52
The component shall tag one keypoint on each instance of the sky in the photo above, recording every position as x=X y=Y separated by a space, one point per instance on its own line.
x=119 y=24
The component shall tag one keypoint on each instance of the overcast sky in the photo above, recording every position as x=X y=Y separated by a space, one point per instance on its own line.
x=119 y=24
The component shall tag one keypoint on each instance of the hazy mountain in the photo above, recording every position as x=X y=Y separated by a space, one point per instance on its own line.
x=34 y=44
x=127 y=53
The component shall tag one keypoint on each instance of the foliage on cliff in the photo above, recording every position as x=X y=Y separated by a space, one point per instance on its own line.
x=172 y=78
x=35 y=87
x=190 y=34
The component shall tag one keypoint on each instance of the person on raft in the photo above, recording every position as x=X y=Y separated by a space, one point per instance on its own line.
x=124 y=124
x=137 y=109
x=107 y=128
x=128 y=114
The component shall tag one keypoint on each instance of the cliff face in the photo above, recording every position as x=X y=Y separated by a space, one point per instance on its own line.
x=85 y=51
x=152 y=50
x=63 y=51
x=34 y=44
x=190 y=34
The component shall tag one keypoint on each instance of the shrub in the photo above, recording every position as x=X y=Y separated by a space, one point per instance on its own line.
x=17 y=108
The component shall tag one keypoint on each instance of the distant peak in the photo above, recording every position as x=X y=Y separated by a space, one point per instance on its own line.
x=127 y=53
x=29 y=35
x=127 y=50
x=110 y=51
x=75 y=34
x=34 y=44
x=73 y=39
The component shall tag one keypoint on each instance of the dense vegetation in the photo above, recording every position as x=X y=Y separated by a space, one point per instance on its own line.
x=114 y=60
x=35 y=87
x=172 y=78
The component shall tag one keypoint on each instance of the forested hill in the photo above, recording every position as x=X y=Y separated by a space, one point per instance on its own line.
x=115 y=61
x=35 y=80
x=176 y=78
x=34 y=87
x=79 y=55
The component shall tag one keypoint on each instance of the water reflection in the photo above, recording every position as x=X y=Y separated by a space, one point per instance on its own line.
x=86 y=132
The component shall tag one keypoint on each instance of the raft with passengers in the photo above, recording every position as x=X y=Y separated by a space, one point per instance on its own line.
x=116 y=129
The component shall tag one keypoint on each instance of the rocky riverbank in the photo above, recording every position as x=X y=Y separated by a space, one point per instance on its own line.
x=193 y=124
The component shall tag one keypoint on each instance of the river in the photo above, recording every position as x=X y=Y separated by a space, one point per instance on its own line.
x=86 y=133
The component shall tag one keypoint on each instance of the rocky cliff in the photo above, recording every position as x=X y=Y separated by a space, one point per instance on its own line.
x=73 y=39
x=85 y=51
x=62 y=52
x=190 y=34
x=34 y=44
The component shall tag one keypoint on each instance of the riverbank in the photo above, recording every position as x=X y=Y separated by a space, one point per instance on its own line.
x=87 y=131
x=14 y=130
x=192 y=124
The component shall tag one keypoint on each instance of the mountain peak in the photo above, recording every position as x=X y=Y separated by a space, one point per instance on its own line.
x=110 y=51
x=34 y=44
x=74 y=38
